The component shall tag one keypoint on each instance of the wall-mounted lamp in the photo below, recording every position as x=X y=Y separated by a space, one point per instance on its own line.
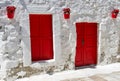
x=66 y=13
x=10 y=11
x=114 y=13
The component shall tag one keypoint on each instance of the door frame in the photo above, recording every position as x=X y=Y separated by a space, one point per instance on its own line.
x=98 y=40
x=26 y=44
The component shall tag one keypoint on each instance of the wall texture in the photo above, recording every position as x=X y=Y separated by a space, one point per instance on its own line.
x=12 y=51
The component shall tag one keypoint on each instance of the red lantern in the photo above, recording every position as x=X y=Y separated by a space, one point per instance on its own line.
x=115 y=13
x=10 y=11
x=66 y=13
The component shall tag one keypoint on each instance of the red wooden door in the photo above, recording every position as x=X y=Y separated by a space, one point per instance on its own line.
x=86 y=49
x=41 y=36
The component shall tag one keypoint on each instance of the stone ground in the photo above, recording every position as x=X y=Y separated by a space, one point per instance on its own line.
x=114 y=76
x=109 y=72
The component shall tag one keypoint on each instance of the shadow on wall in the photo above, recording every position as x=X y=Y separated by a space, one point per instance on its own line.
x=102 y=57
x=118 y=57
x=88 y=66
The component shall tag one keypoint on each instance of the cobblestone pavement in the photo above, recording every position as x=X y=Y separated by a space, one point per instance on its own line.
x=115 y=76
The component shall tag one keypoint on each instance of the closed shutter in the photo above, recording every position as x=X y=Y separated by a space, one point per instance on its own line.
x=41 y=35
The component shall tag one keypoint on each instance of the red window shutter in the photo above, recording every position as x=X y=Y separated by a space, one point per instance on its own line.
x=41 y=36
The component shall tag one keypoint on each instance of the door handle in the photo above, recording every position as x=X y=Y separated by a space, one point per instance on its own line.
x=83 y=41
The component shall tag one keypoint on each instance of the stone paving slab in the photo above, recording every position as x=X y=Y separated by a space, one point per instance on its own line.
x=115 y=76
x=109 y=78
x=97 y=78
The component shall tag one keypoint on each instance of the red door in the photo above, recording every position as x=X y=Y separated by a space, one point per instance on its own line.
x=86 y=49
x=41 y=36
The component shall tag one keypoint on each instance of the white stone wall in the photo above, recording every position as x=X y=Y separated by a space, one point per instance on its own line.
x=109 y=48
x=17 y=30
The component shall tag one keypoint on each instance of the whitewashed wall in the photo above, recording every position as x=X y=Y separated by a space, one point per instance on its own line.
x=16 y=32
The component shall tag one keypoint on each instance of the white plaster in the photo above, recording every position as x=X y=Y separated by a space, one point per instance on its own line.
x=2 y=58
x=24 y=23
x=8 y=64
x=56 y=37
x=38 y=9
x=99 y=43
x=25 y=43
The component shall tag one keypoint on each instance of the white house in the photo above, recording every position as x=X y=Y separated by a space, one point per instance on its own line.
x=47 y=36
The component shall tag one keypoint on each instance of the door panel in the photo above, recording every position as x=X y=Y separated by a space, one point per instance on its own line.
x=45 y=28
x=90 y=57
x=47 y=48
x=79 y=58
x=86 y=47
x=79 y=43
x=41 y=36
x=34 y=25
x=80 y=29
x=91 y=41
x=90 y=29
x=35 y=48
x=80 y=47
